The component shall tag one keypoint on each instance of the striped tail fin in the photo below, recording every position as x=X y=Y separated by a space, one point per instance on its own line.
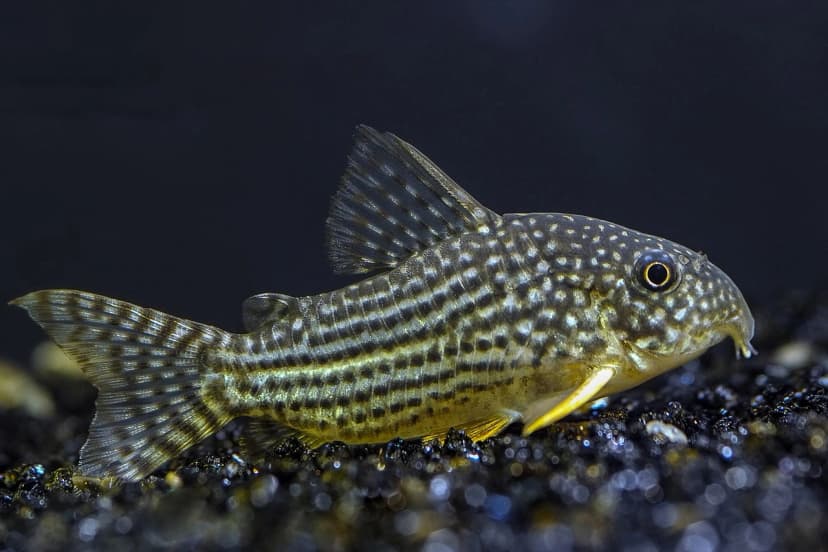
x=149 y=370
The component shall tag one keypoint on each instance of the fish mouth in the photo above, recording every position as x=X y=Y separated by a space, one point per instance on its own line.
x=740 y=330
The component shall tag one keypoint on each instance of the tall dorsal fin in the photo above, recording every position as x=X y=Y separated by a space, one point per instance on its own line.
x=394 y=202
x=260 y=309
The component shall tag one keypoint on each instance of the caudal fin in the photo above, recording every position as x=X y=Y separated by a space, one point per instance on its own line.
x=148 y=368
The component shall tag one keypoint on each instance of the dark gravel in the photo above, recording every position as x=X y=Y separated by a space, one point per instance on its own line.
x=717 y=455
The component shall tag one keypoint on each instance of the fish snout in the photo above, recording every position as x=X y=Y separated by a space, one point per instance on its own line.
x=740 y=327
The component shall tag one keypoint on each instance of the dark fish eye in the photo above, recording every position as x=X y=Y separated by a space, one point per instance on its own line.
x=655 y=270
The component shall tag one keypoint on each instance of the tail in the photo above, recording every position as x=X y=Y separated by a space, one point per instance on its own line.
x=149 y=371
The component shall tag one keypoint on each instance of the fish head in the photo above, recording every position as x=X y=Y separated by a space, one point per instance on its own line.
x=653 y=302
x=667 y=304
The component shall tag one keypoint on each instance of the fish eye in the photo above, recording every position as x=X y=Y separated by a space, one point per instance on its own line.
x=655 y=270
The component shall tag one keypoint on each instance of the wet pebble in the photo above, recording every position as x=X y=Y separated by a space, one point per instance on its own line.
x=665 y=433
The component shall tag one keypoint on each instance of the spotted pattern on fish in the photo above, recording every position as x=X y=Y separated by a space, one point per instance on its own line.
x=467 y=319
x=381 y=355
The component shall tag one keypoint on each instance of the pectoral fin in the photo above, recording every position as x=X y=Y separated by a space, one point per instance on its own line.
x=591 y=386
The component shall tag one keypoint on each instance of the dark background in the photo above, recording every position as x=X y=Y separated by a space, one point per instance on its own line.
x=183 y=157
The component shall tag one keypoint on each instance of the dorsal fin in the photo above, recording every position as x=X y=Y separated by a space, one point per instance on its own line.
x=260 y=309
x=394 y=202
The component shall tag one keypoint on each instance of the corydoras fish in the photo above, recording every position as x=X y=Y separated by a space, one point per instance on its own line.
x=467 y=319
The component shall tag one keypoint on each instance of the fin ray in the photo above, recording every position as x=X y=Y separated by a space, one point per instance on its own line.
x=148 y=369
x=588 y=389
x=394 y=202
x=479 y=430
x=263 y=308
x=263 y=434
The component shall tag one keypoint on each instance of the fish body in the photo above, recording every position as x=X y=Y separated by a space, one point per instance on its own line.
x=468 y=319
